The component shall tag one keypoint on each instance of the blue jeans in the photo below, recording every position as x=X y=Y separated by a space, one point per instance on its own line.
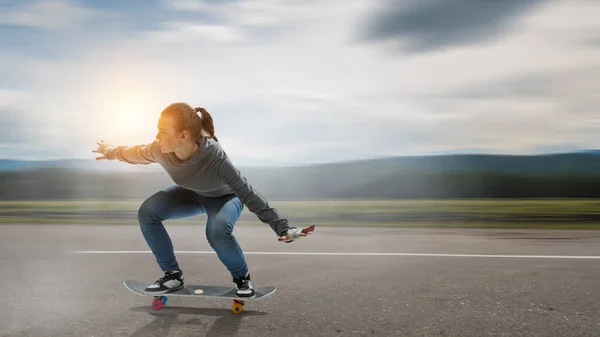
x=177 y=202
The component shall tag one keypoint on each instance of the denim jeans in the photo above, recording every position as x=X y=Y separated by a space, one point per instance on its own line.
x=177 y=202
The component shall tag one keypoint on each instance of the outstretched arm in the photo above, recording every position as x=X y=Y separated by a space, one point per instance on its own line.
x=255 y=202
x=138 y=154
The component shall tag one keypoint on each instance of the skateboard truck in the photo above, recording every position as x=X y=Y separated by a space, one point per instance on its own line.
x=159 y=301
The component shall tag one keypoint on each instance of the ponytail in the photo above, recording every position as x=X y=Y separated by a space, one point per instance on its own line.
x=207 y=128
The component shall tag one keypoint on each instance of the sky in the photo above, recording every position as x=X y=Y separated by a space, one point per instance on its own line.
x=292 y=82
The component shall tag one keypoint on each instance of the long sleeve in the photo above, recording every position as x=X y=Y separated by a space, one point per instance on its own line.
x=256 y=203
x=138 y=154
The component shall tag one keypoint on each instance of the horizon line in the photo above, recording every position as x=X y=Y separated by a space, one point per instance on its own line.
x=432 y=154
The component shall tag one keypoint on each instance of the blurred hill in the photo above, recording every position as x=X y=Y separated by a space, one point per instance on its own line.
x=566 y=175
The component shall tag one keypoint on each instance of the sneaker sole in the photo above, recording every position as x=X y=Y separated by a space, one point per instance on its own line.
x=162 y=292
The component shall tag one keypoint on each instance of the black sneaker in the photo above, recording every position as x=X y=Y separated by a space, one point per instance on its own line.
x=172 y=281
x=243 y=286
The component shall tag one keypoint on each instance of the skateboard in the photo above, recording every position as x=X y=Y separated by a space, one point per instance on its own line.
x=200 y=291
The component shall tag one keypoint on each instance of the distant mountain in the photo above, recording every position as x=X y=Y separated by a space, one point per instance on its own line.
x=11 y=165
x=74 y=164
x=586 y=161
x=437 y=176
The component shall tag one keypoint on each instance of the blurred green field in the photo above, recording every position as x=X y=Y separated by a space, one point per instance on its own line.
x=520 y=206
x=538 y=213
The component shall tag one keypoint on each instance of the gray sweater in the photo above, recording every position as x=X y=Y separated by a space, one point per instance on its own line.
x=209 y=172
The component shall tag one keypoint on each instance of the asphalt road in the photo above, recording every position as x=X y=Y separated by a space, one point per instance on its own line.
x=495 y=283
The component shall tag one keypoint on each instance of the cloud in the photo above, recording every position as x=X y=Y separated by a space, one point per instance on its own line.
x=240 y=21
x=206 y=32
x=590 y=39
x=427 y=25
x=14 y=128
x=243 y=13
x=64 y=28
x=286 y=84
x=538 y=85
x=197 y=5
x=51 y=28
x=518 y=113
x=575 y=90
x=52 y=15
x=21 y=135
x=25 y=132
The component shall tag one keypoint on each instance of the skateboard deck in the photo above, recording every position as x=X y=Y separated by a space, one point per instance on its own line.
x=200 y=291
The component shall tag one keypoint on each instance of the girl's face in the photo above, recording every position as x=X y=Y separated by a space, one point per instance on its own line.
x=168 y=137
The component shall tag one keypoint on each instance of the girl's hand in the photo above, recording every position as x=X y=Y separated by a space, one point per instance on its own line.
x=296 y=233
x=102 y=149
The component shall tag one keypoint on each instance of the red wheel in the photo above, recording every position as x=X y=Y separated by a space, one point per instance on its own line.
x=237 y=307
x=157 y=304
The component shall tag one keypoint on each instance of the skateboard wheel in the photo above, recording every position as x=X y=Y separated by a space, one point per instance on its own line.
x=237 y=308
x=157 y=304
x=165 y=300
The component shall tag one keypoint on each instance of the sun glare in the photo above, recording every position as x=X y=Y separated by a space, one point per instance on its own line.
x=134 y=121
x=129 y=117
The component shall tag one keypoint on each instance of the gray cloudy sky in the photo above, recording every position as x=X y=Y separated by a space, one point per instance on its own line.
x=295 y=82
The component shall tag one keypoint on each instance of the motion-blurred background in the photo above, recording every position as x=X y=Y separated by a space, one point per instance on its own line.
x=363 y=113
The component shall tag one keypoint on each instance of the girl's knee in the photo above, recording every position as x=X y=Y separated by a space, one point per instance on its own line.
x=218 y=232
x=149 y=210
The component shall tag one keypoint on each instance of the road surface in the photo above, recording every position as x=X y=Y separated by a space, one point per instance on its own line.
x=68 y=281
